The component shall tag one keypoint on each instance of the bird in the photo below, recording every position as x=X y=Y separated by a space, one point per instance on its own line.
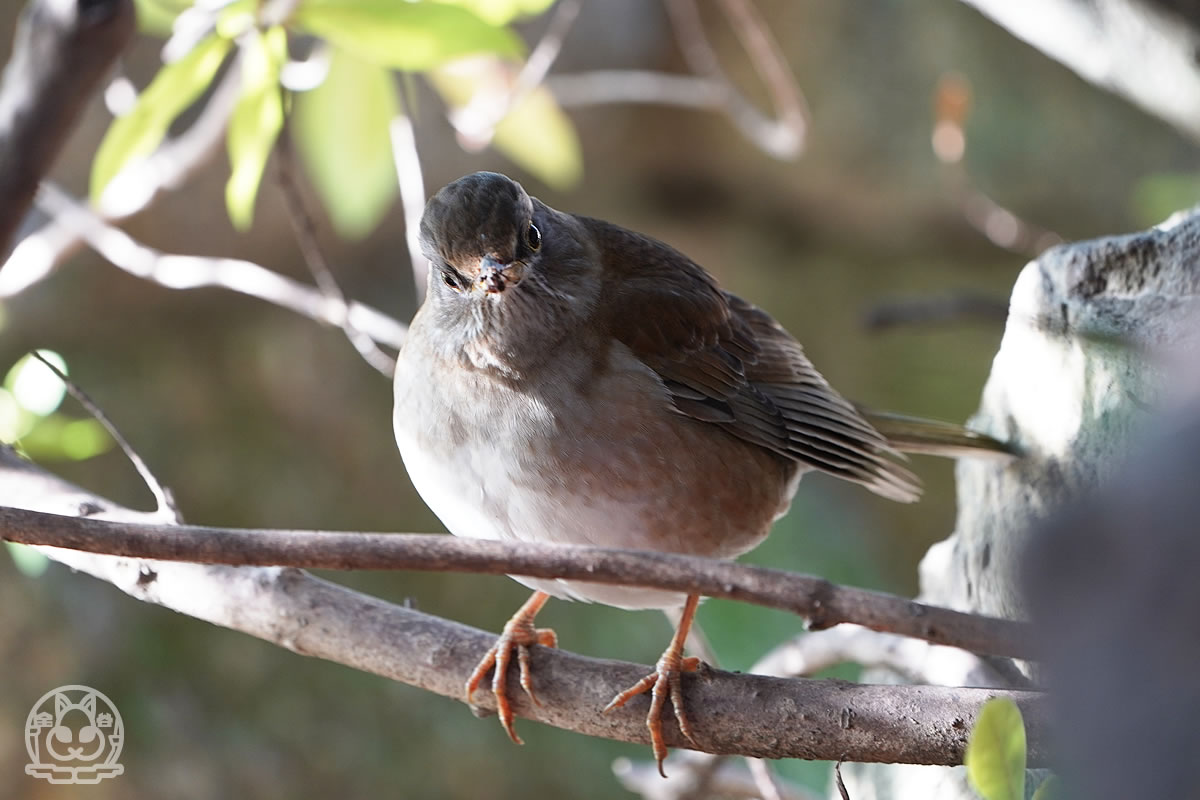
x=568 y=380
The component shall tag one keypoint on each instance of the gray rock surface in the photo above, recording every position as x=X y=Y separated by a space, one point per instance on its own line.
x=1082 y=364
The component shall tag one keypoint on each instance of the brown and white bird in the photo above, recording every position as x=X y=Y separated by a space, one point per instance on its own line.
x=568 y=380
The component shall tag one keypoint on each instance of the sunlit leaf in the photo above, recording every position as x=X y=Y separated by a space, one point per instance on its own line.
x=995 y=757
x=15 y=421
x=156 y=17
x=1049 y=790
x=536 y=133
x=538 y=136
x=34 y=386
x=29 y=562
x=174 y=88
x=236 y=18
x=500 y=12
x=61 y=438
x=255 y=122
x=403 y=35
x=342 y=133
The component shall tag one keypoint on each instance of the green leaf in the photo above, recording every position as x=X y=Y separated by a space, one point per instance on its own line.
x=501 y=12
x=34 y=386
x=342 y=134
x=1049 y=790
x=536 y=133
x=156 y=17
x=29 y=562
x=538 y=136
x=405 y=35
x=995 y=757
x=174 y=88
x=255 y=122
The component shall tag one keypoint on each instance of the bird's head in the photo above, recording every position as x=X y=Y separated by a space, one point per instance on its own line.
x=505 y=267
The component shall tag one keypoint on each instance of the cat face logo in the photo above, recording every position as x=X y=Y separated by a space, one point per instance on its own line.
x=74 y=734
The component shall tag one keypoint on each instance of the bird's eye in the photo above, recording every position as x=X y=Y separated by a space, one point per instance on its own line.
x=449 y=279
x=533 y=237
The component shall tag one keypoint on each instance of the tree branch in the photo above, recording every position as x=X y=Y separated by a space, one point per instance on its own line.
x=193 y=272
x=731 y=713
x=63 y=49
x=822 y=603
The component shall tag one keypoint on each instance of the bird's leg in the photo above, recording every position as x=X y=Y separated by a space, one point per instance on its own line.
x=664 y=681
x=518 y=635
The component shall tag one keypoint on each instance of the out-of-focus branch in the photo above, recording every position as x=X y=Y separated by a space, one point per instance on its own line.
x=476 y=122
x=305 y=229
x=192 y=272
x=137 y=187
x=1001 y=226
x=412 y=195
x=1134 y=48
x=822 y=603
x=731 y=713
x=63 y=49
x=942 y=309
x=782 y=137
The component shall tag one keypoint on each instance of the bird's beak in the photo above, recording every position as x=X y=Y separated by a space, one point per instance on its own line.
x=495 y=277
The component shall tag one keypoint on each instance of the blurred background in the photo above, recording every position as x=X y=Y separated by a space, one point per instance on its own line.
x=257 y=417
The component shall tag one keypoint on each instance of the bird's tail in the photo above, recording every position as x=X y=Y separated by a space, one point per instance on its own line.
x=930 y=437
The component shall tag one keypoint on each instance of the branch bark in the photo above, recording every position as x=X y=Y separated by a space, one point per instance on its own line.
x=63 y=49
x=822 y=603
x=731 y=713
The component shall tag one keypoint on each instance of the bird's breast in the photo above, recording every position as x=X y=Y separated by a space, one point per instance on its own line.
x=585 y=455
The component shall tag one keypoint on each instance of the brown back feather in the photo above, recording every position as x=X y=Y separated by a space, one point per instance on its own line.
x=728 y=363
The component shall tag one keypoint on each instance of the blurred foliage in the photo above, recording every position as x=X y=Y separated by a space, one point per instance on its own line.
x=342 y=133
x=1157 y=197
x=995 y=757
x=255 y=417
x=344 y=126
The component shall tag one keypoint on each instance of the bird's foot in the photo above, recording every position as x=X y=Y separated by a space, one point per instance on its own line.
x=663 y=682
x=519 y=635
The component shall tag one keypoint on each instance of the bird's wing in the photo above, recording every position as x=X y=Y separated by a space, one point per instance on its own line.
x=728 y=363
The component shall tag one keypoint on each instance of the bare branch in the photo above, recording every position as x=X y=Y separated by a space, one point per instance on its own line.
x=915 y=660
x=822 y=603
x=731 y=713
x=137 y=187
x=412 y=195
x=164 y=500
x=306 y=237
x=63 y=49
x=941 y=309
x=193 y=272
x=476 y=122
x=782 y=138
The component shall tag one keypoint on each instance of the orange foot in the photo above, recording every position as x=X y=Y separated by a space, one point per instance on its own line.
x=663 y=682
x=518 y=635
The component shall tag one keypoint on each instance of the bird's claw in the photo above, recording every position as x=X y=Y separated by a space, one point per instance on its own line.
x=666 y=680
x=519 y=634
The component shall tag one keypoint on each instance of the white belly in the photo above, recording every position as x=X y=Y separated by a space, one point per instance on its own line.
x=542 y=473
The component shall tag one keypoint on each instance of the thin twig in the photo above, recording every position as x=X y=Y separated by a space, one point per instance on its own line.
x=191 y=272
x=781 y=138
x=136 y=188
x=944 y=309
x=306 y=237
x=822 y=603
x=412 y=194
x=164 y=499
x=476 y=122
